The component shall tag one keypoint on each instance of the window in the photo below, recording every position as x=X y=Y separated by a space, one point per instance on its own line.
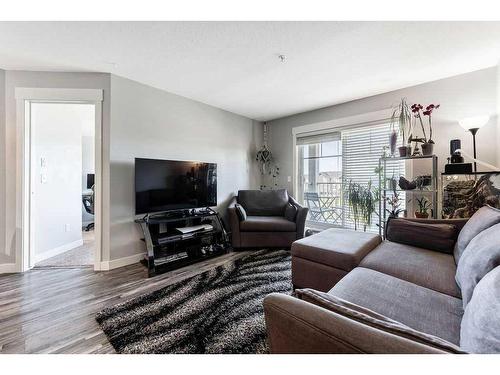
x=326 y=164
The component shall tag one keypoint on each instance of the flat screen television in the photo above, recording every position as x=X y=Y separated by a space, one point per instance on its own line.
x=166 y=185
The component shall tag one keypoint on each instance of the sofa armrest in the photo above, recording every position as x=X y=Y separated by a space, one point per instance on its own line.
x=234 y=223
x=300 y=218
x=296 y=326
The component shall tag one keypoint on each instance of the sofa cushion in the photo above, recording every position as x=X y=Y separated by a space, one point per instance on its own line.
x=481 y=255
x=373 y=319
x=480 y=332
x=263 y=202
x=423 y=267
x=438 y=237
x=484 y=218
x=267 y=224
x=339 y=248
x=415 y=306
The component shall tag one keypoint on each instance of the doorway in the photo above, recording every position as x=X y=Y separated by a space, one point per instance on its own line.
x=60 y=185
x=62 y=188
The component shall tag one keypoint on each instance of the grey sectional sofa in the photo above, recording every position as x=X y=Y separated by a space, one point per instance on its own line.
x=355 y=293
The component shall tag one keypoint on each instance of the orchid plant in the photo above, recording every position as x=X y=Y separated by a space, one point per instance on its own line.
x=418 y=111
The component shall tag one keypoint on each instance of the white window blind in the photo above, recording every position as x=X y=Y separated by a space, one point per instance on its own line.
x=362 y=149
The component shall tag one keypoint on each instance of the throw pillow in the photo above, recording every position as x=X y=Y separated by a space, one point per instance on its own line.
x=373 y=319
x=480 y=329
x=480 y=256
x=484 y=218
x=242 y=215
x=437 y=237
x=290 y=212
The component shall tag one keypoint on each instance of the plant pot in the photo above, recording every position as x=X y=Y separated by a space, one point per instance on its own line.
x=404 y=151
x=427 y=149
x=421 y=215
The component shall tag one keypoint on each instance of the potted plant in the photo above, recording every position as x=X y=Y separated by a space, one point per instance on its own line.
x=423 y=208
x=401 y=115
x=394 y=202
x=418 y=112
x=362 y=201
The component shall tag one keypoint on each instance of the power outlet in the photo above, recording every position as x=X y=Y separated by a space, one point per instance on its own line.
x=67 y=227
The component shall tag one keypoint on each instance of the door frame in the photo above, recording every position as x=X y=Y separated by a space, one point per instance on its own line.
x=24 y=206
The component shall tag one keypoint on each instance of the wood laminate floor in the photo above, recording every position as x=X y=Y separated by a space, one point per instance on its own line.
x=52 y=310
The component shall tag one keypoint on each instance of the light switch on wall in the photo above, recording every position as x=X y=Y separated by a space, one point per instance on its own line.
x=289 y=178
x=67 y=227
x=43 y=178
x=43 y=162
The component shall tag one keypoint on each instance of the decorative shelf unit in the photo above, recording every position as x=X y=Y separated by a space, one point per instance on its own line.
x=169 y=249
x=430 y=192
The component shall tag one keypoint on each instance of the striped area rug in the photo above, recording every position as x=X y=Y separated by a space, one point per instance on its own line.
x=218 y=311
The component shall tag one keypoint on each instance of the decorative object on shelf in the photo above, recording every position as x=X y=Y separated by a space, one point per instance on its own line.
x=423 y=181
x=464 y=194
x=473 y=124
x=265 y=158
x=418 y=112
x=401 y=115
x=419 y=182
x=362 y=200
x=423 y=208
x=404 y=184
x=393 y=139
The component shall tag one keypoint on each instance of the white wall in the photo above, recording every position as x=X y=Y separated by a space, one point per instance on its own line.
x=4 y=258
x=460 y=96
x=147 y=122
x=11 y=150
x=57 y=131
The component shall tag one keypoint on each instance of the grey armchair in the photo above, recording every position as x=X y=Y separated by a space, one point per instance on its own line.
x=265 y=219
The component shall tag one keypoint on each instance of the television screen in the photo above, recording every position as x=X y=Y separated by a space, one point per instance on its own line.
x=164 y=185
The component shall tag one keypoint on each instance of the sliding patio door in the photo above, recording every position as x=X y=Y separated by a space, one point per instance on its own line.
x=328 y=162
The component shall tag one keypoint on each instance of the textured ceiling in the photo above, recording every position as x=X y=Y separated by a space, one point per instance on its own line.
x=235 y=65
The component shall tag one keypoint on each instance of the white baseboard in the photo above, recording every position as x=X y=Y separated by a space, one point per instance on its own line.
x=120 y=262
x=57 y=250
x=8 y=268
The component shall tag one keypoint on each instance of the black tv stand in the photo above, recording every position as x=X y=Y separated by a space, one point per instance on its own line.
x=168 y=248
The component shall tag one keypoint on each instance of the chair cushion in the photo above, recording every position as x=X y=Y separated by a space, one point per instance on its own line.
x=263 y=202
x=480 y=257
x=373 y=319
x=484 y=218
x=242 y=214
x=339 y=248
x=267 y=224
x=438 y=237
x=415 y=306
x=290 y=212
x=480 y=332
x=427 y=268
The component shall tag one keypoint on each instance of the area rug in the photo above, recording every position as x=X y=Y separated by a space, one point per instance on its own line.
x=218 y=311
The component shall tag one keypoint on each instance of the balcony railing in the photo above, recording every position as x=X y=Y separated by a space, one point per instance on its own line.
x=324 y=200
